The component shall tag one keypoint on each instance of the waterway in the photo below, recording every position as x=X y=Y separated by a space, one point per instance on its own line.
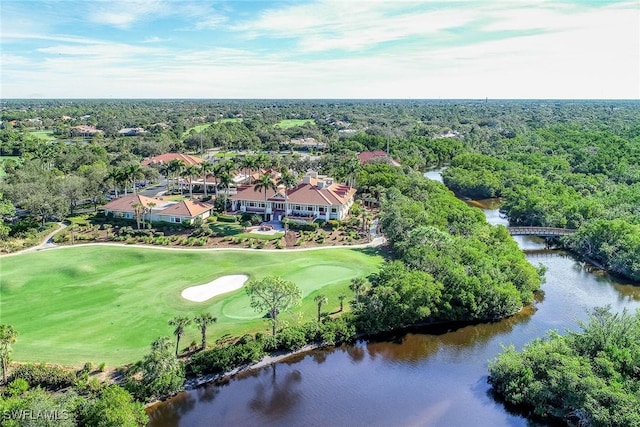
x=415 y=379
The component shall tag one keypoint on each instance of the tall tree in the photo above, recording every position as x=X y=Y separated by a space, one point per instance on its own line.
x=206 y=168
x=138 y=212
x=175 y=168
x=264 y=184
x=133 y=172
x=358 y=286
x=8 y=335
x=191 y=172
x=203 y=320
x=274 y=295
x=179 y=323
x=341 y=298
x=320 y=299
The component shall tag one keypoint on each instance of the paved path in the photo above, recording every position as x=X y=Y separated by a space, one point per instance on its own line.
x=47 y=242
x=47 y=245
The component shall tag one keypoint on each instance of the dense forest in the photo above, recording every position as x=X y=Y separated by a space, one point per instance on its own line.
x=581 y=378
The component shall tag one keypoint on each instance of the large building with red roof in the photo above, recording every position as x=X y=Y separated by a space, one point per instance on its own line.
x=158 y=210
x=315 y=197
x=162 y=159
x=378 y=156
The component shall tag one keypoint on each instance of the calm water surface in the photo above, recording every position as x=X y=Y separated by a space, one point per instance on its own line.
x=436 y=379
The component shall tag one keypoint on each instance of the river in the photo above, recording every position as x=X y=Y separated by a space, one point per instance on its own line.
x=426 y=379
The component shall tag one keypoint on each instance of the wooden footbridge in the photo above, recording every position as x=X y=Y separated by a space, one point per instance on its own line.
x=540 y=231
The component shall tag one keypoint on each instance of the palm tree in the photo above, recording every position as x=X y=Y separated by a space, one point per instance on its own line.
x=179 y=323
x=191 y=171
x=249 y=163
x=341 y=298
x=149 y=209
x=117 y=176
x=223 y=172
x=265 y=183
x=205 y=169
x=133 y=172
x=203 y=320
x=138 y=211
x=288 y=181
x=359 y=285
x=8 y=335
x=175 y=167
x=320 y=299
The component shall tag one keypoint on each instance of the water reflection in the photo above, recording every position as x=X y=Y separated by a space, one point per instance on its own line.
x=273 y=398
x=430 y=376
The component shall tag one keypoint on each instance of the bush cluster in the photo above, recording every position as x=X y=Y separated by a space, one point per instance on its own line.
x=51 y=378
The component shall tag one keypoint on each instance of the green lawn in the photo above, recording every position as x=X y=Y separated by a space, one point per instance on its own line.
x=106 y=304
x=44 y=135
x=289 y=123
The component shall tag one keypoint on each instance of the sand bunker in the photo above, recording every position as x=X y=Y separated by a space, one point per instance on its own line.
x=219 y=286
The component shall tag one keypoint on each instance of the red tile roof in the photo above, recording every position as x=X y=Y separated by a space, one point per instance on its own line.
x=126 y=203
x=162 y=207
x=186 y=208
x=310 y=194
x=187 y=159
x=367 y=157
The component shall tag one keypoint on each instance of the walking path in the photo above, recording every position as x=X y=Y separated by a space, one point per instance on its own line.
x=48 y=244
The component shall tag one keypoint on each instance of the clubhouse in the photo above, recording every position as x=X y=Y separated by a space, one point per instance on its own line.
x=315 y=197
x=157 y=210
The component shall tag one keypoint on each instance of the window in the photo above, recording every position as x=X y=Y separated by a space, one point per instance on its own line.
x=334 y=210
x=176 y=219
x=310 y=208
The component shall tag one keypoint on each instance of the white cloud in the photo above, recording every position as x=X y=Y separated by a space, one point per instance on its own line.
x=124 y=13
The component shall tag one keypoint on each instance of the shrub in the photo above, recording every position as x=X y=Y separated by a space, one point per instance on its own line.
x=52 y=378
x=292 y=338
x=307 y=226
x=17 y=387
x=101 y=367
x=227 y=218
x=226 y=358
x=334 y=224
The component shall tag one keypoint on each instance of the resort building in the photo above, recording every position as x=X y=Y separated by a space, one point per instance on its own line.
x=162 y=159
x=315 y=197
x=378 y=156
x=157 y=210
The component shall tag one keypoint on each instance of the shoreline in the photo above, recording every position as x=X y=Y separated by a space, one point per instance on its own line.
x=203 y=380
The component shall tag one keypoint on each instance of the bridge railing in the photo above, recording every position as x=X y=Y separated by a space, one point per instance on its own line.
x=539 y=231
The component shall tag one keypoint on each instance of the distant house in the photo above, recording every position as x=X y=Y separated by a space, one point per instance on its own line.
x=167 y=157
x=84 y=130
x=378 y=156
x=315 y=197
x=158 y=210
x=131 y=131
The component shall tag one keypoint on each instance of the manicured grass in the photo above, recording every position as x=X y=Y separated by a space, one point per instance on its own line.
x=289 y=123
x=198 y=129
x=43 y=135
x=106 y=304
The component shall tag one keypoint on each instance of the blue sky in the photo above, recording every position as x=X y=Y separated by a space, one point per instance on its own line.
x=320 y=49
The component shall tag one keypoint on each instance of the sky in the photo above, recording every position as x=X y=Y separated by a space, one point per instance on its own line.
x=325 y=49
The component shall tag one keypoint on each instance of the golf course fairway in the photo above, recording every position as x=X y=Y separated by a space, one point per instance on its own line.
x=108 y=303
